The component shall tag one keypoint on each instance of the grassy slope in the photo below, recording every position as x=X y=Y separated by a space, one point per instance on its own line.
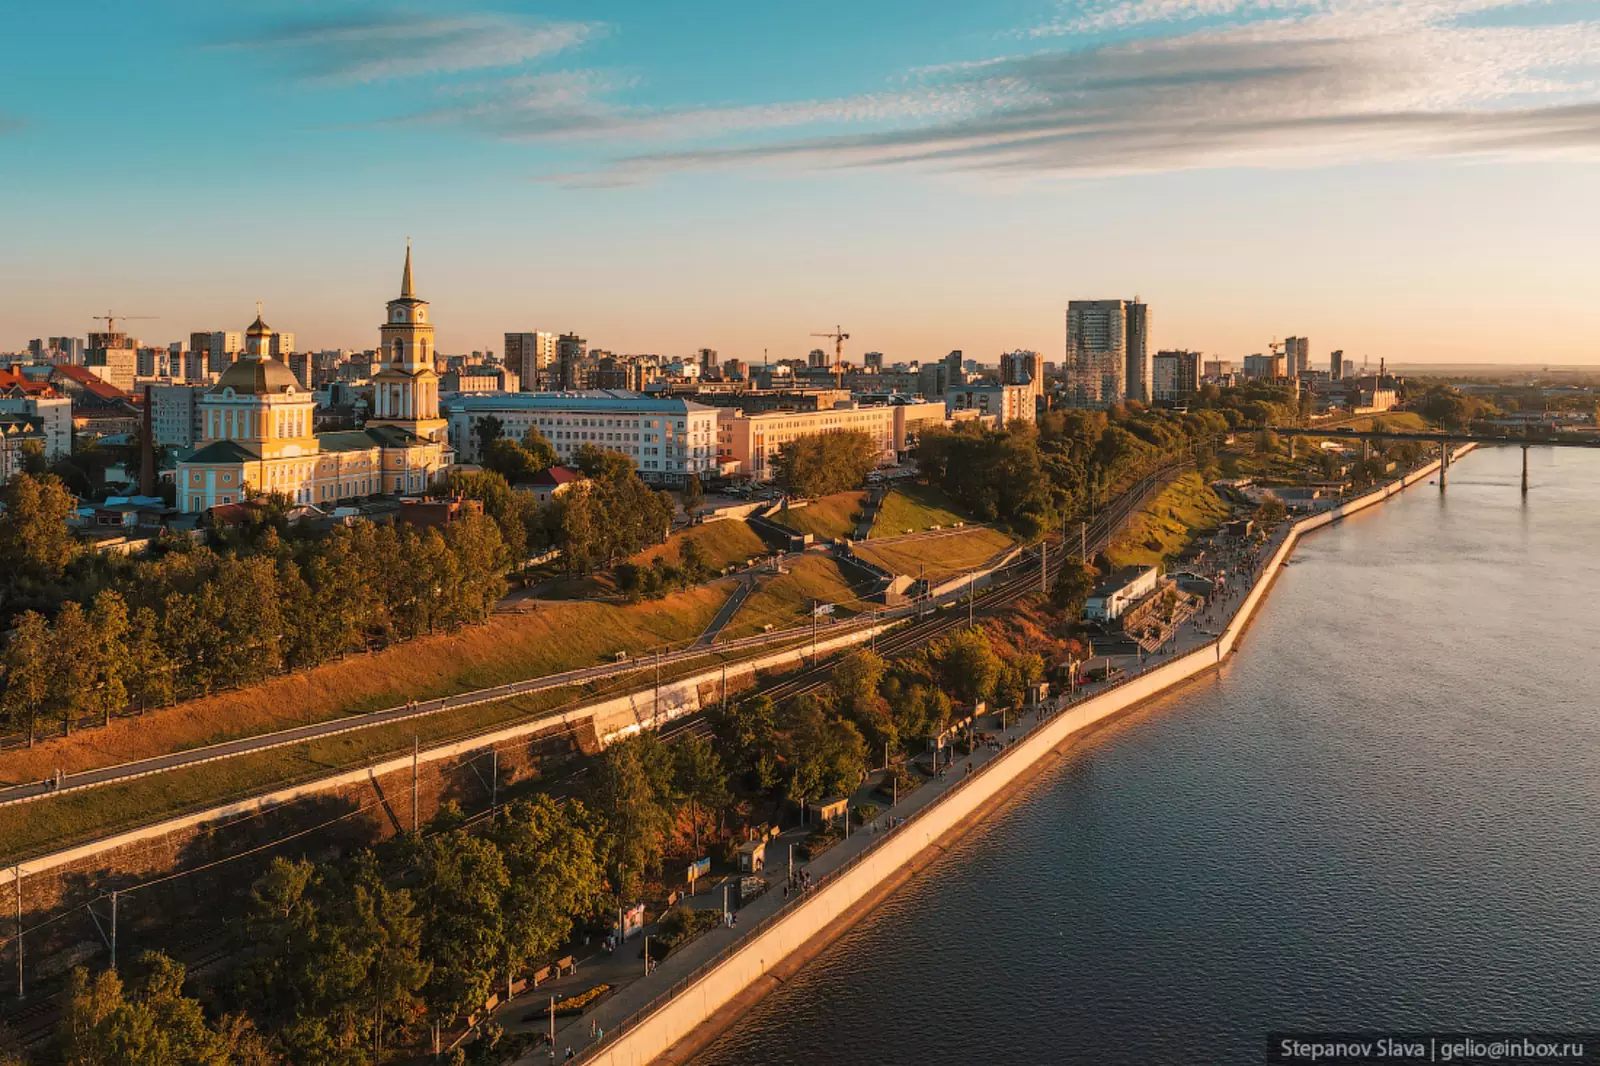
x=555 y=637
x=723 y=543
x=914 y=508
x=785 y=600
x=29 y=829
x=938 y=557
x=827 y=517
x=1186 y=507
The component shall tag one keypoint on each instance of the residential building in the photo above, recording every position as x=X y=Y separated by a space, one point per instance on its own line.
x=484 y=377
x=1264 y=366
x=667 y=438
x=570 y=352
x=1336 y=364
x=258 y=424
x=43 y=405
x=175 y=414
x=221 y=348
x=546 y=485
x=1216 y=369
x=1108 y=356
x=117 y=365
x=530 y=356
x=17 y=432
x=282 y=346
x=873 y=360
x=1297 y=355
x=1004 y=403
x=1175 y=376
x=1023 y=367
x=748 y=442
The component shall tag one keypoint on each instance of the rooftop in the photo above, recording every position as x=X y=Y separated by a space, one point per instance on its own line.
x=579 y=400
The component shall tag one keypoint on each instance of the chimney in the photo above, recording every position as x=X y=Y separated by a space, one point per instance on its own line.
x=147 y=451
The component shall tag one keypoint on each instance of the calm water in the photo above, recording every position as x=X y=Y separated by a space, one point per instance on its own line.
x=1381 y=814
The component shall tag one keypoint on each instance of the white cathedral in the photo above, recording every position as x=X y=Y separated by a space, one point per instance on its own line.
x=257 y=424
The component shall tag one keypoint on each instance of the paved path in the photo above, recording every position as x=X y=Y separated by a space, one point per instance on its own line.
x=747 y=585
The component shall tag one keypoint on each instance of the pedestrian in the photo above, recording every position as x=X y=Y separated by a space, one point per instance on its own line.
x=570 y=1055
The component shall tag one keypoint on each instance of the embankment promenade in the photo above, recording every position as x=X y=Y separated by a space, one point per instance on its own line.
x=687 y=1014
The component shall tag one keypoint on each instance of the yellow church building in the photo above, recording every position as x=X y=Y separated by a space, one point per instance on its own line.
x=257 y=424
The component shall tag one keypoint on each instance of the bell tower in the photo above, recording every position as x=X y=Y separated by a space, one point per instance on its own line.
x=406 y=390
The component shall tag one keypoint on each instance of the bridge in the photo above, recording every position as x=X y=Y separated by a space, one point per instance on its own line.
x=1443 y=438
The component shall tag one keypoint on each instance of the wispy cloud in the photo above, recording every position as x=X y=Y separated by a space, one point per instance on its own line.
x=381 y=47
x=1335 y=82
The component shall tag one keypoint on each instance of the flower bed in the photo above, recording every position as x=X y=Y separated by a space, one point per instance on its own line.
x=582 y=1001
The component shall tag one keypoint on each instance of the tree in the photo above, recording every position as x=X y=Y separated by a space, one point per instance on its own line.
x=157 y=1026
x=35 y=540
x=967 y=665
x=383 y=926
x=75 y=664
x=693 y=494
x=825 y=463
x=461 y=881
x=747 y=735
x=542 y=454
x=108 y=620
x=487 y=430
x=630 y=793
x=554 y=855
x=701 y=778
x=825 y=755
x=28 y=673
x=1073 y=586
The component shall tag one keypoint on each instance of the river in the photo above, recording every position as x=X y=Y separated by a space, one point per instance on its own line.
x=1380 y=814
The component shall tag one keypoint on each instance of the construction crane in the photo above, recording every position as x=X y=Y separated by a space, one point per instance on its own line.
x=838 y=337
x=111 y=318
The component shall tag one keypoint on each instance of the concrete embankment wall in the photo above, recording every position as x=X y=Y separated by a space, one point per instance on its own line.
x=676 y=1019
x=609 y=719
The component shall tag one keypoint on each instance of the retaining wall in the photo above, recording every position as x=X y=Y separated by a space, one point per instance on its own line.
x=657 y=1033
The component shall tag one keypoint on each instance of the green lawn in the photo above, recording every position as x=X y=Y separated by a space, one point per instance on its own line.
x=723 y=543
x=939 y=556
x=785 y=600
x=1184 y=509
x=827 y=517
x=914 y=508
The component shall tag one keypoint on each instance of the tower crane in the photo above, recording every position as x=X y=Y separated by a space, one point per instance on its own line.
x=111 y=318
x=838 y=336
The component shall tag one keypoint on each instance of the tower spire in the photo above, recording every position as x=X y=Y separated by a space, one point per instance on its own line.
x=405 y=279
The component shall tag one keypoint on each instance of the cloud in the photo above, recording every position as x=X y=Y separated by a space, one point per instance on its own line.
x=1354 y=82
x=381 y=47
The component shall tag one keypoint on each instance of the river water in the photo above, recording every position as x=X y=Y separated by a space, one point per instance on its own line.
x=1380 y=815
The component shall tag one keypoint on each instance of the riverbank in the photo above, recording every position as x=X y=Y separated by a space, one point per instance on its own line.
x=713 y=990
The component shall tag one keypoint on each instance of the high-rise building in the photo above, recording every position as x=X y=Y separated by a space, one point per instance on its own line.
x=1138 y=370
x=71 y=349
x=1023 y=367
x=1349 y=369
x=1175 y=375
x=117 y=364
x=873 y=360
x=1336 y=364
x=570 y=351
x=175 y=410
x=1297 y=355
x=37 y=349
x=818 y=358
x=222 y=347
x=1108 y=352
x=530 y=356
x=282 y=345
x=1264 y=366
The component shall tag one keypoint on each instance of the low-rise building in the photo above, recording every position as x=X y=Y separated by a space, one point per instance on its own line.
x=16 y=433
x=667 y=438
x=1119 y=590
x=36 y=400
x=546 y=485
x=1004 y=403
x=748 y=442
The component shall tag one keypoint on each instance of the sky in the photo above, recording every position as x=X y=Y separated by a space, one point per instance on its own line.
x=1416 y=180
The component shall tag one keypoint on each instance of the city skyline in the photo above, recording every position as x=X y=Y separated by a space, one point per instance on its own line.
x=927 y=175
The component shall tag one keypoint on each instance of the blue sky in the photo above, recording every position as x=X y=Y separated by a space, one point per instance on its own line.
x=1410 y=179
